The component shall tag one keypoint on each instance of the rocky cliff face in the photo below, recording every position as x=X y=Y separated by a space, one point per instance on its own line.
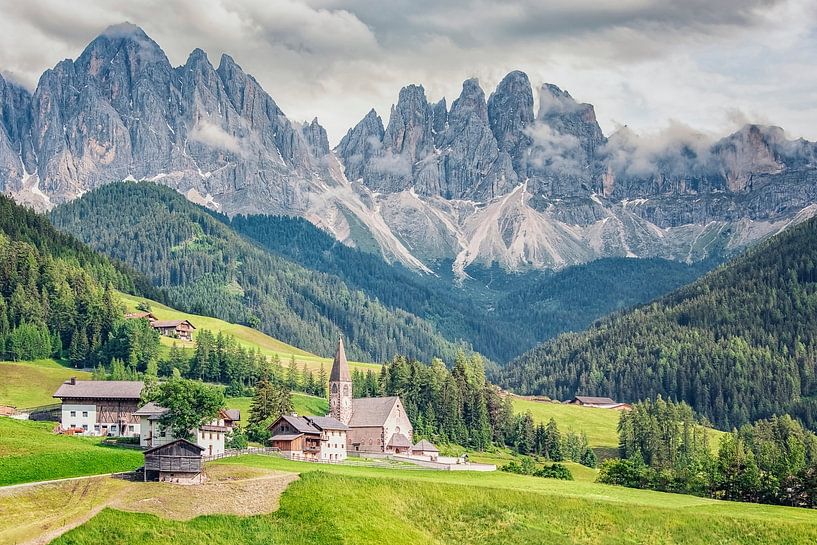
x=481 y=181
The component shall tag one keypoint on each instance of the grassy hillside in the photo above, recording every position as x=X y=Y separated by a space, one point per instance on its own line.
x=350 y=505
x=246 y=336
x=738 y=345
x=31 y=383
x=29 y=452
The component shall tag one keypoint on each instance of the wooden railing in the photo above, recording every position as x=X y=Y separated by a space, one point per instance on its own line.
x=229 y=453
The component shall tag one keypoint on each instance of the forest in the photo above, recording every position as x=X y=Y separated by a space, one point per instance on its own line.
x=663 y=446
x=202 y=266
x=500 y=314
x=57 y=297
x=738 y=345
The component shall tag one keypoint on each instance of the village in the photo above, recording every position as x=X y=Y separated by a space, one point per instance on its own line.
x=376 y=428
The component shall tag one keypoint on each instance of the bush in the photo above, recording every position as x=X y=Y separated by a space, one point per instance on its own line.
x=237 y=439
x=529 y=467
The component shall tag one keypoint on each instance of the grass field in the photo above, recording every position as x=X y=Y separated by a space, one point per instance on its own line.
x=600 y=425
x=246 y=336
x=351 y=505
x=29 y=452
x=302 y=404
x=31 y=383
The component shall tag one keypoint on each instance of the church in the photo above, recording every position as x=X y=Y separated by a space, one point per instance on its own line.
x=377 y=425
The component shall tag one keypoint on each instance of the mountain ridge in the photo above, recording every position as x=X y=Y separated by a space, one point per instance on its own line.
x=486 y=180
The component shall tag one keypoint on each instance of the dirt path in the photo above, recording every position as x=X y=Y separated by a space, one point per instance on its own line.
x=37 y=513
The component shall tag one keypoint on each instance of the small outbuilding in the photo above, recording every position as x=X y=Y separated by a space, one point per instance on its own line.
x=426 y=449
x=179 y=461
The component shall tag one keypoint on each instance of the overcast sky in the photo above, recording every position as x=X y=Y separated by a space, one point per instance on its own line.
x=710 y=64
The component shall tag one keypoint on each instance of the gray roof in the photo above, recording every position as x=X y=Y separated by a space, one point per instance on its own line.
x=425 y=446
x=151 y=411
x=100 y=389
x=327 y=423
x=168 y=446
x=595 y=400
x=285 y=437
x=340 y=367
x=162 y=324
x=234 y=414
x=371 y=411
x=300 y=423
x=399 y=440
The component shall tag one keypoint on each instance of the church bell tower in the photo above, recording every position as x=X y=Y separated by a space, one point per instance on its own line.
x=340 y=387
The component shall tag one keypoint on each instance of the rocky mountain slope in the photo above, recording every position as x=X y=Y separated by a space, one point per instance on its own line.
x=486 y=180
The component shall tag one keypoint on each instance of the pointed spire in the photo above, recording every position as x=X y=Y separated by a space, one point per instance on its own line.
x=340 y=367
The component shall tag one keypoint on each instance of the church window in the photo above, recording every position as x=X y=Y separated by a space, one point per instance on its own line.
x=334 y=388
x=346 y=389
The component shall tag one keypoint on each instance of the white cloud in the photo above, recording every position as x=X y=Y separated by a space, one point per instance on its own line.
x=213 y=135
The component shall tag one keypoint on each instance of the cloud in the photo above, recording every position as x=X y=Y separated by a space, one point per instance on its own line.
x=677 y=149
x=555 y=151
x=393 y=165
x=638 y=61
x=213 y=135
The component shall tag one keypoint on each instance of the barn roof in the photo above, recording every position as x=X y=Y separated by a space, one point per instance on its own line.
x=595 y=400
x=151 y=411
x=163 y=324
x=232 y=414
x=170 y=445
x=301 y=424
x=371 y=411
x=100 y=389
x=327 y=423
x=286 y=436
x=340 y=367
x=399 y=440
x=425 y=446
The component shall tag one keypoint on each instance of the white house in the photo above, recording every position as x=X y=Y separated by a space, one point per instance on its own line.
x=210 y=437
x=100 y=407
x=312 y=438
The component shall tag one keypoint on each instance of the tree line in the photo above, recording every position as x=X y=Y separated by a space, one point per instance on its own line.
x=664 y=446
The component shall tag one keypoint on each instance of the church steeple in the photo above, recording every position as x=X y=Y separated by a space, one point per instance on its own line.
x=340 y=387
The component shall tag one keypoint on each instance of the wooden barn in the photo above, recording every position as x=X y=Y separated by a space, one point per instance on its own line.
x=179 y=462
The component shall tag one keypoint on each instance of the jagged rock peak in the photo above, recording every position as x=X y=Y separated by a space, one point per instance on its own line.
x=128 y=36
x=315 y=136
x=510 y=111
x=470 y=102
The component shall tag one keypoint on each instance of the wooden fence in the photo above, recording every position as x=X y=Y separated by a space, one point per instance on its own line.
x=230 y=452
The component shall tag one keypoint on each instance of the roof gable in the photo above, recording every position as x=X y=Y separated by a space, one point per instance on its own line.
x=371 y=411
x=100 y=389
x=175 y=447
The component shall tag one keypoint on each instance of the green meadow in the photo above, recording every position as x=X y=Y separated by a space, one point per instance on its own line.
x=31 y=383
x=360 y=505
x=302 y=404
x=29 y=451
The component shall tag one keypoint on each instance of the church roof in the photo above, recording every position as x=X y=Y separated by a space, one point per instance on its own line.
x=371 y=411
x=340 y=367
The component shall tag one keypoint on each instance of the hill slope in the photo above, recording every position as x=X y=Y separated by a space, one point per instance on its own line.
x=737 y=345
x=206 y=268
x=501 y=314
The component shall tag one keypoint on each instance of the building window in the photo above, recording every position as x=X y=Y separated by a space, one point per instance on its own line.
x=73 y=414
x=85 y=414
x=131 y=429
x=85 y=427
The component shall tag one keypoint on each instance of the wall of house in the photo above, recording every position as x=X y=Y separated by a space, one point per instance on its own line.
x=398 y=422
x=152 y=435
x=75 y=415
x=365 y=439
x=334 y=447
x=211 y=441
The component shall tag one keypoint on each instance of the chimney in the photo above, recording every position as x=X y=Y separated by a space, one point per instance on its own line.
x=293 y=414
x=73 y=381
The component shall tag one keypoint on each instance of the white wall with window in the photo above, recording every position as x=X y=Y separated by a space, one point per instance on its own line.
x=80 y=417
x=333 y=447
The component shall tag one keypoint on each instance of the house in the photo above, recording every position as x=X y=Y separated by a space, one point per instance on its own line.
x=599 y=403
x=178 y=461
x=425 y=449
x=231 y=416
x=178 y=329
x=210 y=437
x=100 y=407
x=314 y=438
x=377 y=425
x=149 y=316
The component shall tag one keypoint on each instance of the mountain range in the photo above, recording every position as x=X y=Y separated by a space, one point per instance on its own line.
x=485 y=181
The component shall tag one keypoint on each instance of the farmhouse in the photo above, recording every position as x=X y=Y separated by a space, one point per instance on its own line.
x=210 y=437
x=178 y=329
x=179 y=461
x=377 y=425
x=598 y=402
x=313 y=438
x=100 y=407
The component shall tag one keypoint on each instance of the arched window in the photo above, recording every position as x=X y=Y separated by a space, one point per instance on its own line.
x=334 y=388
x=346 y=389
